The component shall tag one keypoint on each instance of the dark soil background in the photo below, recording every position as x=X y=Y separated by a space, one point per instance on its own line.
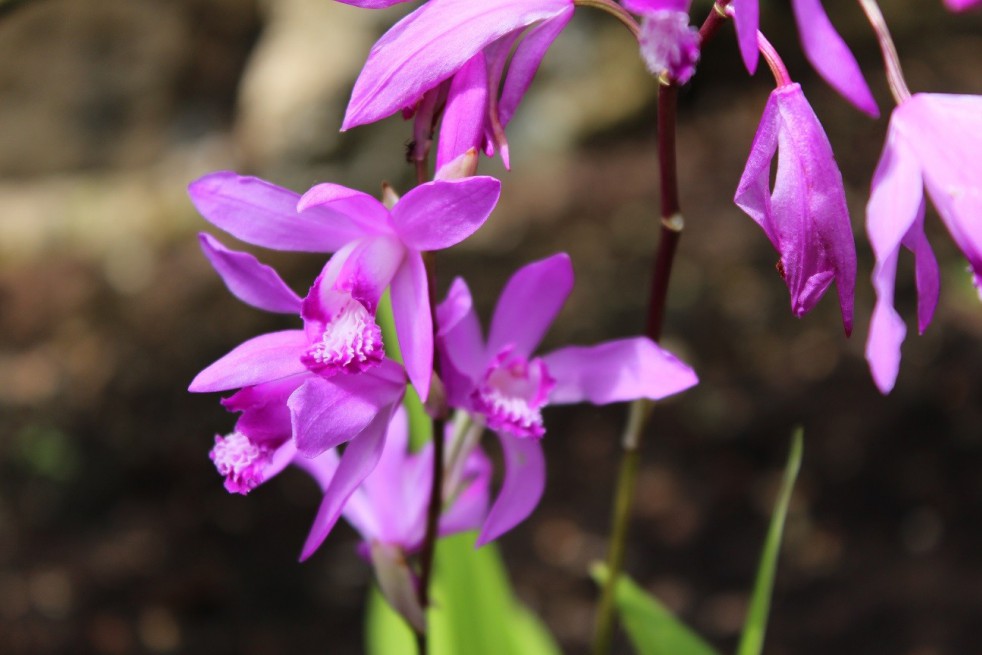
x=116 y=535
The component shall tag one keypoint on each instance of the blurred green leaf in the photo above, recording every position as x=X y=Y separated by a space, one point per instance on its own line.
x=652 y=628
x=752 y=640
x=474 y=610
x=49 y=452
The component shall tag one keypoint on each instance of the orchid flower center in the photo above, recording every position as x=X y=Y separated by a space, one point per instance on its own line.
x=512 y=393
x=240 y=460
x=351 y=342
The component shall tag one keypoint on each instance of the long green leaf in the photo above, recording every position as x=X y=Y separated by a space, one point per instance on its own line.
x=652 y=628
x=474 y=610
x=752 y=640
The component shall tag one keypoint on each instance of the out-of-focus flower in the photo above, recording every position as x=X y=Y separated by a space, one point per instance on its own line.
x=961 y=5
x=668 y=43
x=934 y=141
x=375 y=247
x=416 y=65
x=506 y=387
x=805 y=215
x=823 y=47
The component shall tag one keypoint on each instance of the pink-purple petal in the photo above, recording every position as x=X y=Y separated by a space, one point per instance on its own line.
x=430 y=45
x=525 y=480
x=830 y=55
x=442 y=213
x=529 y=303
x=364 y=211
x=263 y=214
x=358 y=461
x=413 y=321
x=462 y=126
x=746 y=20
x=616 y=371
x=249 y=280
x=261 y=359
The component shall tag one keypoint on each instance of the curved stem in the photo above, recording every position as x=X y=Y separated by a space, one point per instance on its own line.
x=615 y=10
x=672 y=224
x=774 y=61
x=895 y=74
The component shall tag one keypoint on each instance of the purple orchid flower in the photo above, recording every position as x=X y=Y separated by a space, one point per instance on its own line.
x=668 y=43
x=824 y=48
x=374 y=247
x=805 y=216
x=506 y=387
x=961 y=5
x=457 y=51
x=934 y=141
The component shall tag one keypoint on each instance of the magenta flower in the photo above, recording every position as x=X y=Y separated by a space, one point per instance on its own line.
x=417 y=62
x=374 y=248
x=824 y=48
x=805 y=215
x=934 y=141
x=668 y=43
x=961 y=5
x=506 y=386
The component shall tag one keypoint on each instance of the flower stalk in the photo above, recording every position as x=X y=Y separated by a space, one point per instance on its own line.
x=895 y=75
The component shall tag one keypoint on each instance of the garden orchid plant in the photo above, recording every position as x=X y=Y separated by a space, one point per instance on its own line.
x=330 y=395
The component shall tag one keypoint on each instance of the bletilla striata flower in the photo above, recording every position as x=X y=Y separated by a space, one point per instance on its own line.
x=374 y=248
x=824 y=48
x=805 y=215
x=457 y=52
x=503 y=383
x=668 y=43
x=935 y=142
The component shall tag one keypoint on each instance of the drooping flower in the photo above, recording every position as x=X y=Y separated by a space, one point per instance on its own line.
x=416 y=64
x=933 y=141
x=668 y=43
x=822 y=45
x=503 y=383
x=805 y=215
x=375 y=247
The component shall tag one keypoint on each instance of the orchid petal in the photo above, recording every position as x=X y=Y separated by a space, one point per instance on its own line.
x=895 y=200
x=529 y=303
x=468 y=508
x=461 y=343
x=249 y=280
x=364 y=211
x=462 y=126
x=442 y=213
x=372 y=4
x=264 y=358
x=358 y=461
x=525 y=62
x=830 y=55
x=926 y=272
x=329 y=412
x=746 y=21
x=431 y=44
x=264 y=415
x=264 y=214
x=646 y=6
x=525 y=480
x=413 y=321
x=616 y=371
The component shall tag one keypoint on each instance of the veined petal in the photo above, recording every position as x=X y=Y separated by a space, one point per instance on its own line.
x=525 y=480
x=746 y=20
x=442 y=213
x=413 y=321
x=264 y=358
x=462 y=126
x=525 y=62
x=430 y=45
x=364 y=211
x=264 y=214
x=895 y=200
x=830 y=55
x=461 y=343
x=753 y=194
x=357 y=463
x=329 y=412
x=250 y=281
x=529 y=303
x=616 y=371
x=926 y=273
x=264 y=418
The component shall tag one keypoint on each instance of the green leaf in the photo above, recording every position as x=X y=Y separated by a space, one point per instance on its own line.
x=752 y=640
x=474 y=610
x=652 y=628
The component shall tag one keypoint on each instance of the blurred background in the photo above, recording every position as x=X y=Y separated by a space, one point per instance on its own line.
x=116 y=535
